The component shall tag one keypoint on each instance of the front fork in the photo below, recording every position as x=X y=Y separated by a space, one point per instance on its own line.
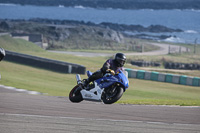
x=78 y=79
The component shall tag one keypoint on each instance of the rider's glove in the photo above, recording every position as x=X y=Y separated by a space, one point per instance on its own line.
x=111 y=71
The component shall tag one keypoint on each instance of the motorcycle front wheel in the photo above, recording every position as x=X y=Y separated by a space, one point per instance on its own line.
x=75 y=95
x=112 y=95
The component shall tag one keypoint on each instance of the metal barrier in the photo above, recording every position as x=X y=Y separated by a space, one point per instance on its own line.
x=44 y=63
x=163 y=77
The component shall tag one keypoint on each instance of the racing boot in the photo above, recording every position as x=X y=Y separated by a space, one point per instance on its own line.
x=93 y=77
x=85 y=83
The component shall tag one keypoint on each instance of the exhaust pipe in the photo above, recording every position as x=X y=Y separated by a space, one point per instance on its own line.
x=78 y=79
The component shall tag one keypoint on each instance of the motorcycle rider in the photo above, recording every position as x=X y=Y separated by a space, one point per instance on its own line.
x=111 y=65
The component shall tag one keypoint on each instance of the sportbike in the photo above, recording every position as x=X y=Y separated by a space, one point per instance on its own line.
x=107 y=89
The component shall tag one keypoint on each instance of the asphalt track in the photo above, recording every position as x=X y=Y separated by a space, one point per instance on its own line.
x=25 y=113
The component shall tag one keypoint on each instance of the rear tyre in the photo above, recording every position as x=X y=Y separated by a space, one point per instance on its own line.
x=75 y=95
x=109 y=96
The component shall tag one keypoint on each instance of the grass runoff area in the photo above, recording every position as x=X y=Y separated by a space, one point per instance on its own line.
x=58 y=84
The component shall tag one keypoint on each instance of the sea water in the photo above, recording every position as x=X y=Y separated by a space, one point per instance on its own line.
x=187 y=20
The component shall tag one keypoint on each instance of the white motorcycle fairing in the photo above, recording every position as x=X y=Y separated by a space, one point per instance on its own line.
x=93 y=94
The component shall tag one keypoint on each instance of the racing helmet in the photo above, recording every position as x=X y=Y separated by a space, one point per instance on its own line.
x=120 y=58
x=2 y=53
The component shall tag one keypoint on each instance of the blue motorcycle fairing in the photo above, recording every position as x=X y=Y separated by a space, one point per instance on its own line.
x=123 y=79
x=105 y=82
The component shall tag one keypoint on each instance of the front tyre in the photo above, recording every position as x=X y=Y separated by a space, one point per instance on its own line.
x=75 y=95
x=112 y=95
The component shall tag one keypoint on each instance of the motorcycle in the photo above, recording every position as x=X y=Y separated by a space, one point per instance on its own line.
x=107 y=89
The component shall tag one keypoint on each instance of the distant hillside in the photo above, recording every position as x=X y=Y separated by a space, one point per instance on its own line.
x=123 y=4
x=66 y=34
x=70 y=35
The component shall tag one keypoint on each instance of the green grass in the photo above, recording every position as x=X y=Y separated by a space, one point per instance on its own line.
x=152 y=92
x=58 y=84
x=34 y=79
x=18 y=45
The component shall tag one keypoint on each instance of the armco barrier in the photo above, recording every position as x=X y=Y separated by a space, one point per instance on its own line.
x=131 y=73
x=154 y=76
x=196 y=81
x=176 y=79
x=163 y=77
x=189 y=80
x=183 y=80
x=53 y=65
x=140 y=74
x=168 y=78
x=147 y=75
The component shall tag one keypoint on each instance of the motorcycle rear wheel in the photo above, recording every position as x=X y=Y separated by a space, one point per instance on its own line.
x=109 y=98
x=75 y=95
